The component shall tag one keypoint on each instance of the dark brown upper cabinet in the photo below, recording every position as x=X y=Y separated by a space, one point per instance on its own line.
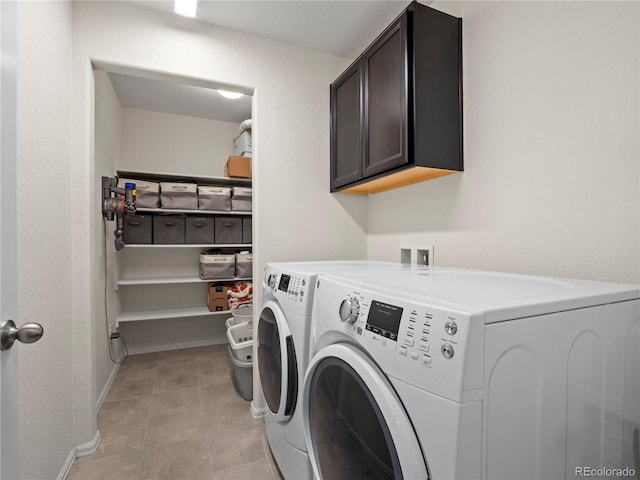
x=396 y=112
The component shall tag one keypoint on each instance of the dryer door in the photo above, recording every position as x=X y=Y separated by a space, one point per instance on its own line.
x=277 y=362
x=355 y=425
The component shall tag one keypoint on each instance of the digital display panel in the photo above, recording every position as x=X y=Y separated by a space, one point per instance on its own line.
x=384 y=319
x=284 y=282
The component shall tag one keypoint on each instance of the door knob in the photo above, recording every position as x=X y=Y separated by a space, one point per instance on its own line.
x=27 y=333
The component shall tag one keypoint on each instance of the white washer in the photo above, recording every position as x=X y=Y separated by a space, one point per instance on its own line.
x=283 y=352
x=462 y=374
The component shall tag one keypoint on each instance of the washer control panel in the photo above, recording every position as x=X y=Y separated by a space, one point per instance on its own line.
x=409 y=336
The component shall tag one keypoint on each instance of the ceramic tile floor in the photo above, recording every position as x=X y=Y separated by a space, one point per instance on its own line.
x=176 y=415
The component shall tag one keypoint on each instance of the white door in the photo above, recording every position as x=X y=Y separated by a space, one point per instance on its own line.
x=8 y=249
x=8 y=294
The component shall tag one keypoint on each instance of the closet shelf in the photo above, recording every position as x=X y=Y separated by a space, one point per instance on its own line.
x=171 y=177
x=193 y=211
x=166 y=313
x=174 y=280
x=189 y=245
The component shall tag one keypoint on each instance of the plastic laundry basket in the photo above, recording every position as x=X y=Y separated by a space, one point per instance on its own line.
x=240 y=315
x=241 y=340
x=243 y=314
x=243 y=371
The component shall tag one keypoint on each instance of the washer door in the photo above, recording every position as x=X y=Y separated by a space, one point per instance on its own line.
x=355 y=424
x=277 y=362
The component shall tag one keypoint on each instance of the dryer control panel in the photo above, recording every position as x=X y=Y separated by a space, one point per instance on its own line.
x=292 y=290
x=405 y=335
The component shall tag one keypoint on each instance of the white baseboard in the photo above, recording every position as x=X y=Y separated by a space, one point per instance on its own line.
x=257 y=412
x=107 y=385
x=89 y=447
x=66 y=467
x=79 y=451
x=174 y=346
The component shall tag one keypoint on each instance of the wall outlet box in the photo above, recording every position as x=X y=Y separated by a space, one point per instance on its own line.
x=424 y=256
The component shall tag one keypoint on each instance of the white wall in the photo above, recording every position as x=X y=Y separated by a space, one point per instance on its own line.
x=44 y=194
x=168 y=143
x=108 y=147
x=291 y=135
x=551 y=180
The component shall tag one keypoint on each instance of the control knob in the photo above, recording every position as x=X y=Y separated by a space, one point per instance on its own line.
x=349 y=310
x=451 y=327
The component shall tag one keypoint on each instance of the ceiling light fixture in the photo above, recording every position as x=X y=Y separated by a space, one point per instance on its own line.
x=229 y=94
x=186 y=8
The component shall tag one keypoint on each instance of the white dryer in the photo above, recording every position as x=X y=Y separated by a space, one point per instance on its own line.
x=462 y=374
x=283 y=352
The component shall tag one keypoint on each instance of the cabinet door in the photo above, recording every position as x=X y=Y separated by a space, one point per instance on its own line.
x=385 y=71
x=346 y=127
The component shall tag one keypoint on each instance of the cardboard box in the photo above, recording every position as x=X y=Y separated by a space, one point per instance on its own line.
x=238 y=167
x=217 y=297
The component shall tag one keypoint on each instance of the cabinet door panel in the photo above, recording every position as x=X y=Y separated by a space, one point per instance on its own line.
x=346 y=128
x=385 y=107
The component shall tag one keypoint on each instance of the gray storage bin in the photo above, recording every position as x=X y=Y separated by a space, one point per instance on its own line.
x=214 y=198
x=244 y=265
x=147 y=193
x=217 y=266
x=243 y=375
x=179 y=195
x=241 y=199
x=168 y=229
x=137 y=229
x=247 y=234
x=198 y=230
x=228 y=230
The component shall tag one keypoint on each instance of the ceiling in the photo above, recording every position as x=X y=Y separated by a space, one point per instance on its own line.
x=178 y=98
x=342 y=28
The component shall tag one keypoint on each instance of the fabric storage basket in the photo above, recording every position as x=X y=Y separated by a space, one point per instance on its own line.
x=168 y=229
x=241 y=199
x=240 y=338
x=244 y=265
x=198 y=230
x=214 y=198
x=147 y=193
x=247 y=233
x=228 y=230
x=217 y=266
x=179 y=195
x=137 y=229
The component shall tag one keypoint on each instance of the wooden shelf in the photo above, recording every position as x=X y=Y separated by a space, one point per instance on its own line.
x=167 y=313
x=175 y=280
